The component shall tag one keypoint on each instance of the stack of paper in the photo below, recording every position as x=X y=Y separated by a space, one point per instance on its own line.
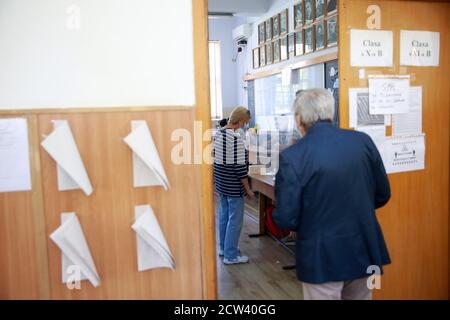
x=147 y=167
x=70 y=239
x=61 y=146
x=152 y=248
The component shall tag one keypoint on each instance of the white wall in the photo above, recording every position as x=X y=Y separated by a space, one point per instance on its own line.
x=249 y=7
x=221 y=29
x=96 y=53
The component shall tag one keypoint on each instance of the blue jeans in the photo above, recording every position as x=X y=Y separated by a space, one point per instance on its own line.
x=231 y=216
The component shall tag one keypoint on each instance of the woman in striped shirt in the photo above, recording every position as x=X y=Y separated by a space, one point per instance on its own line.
x=231 y=182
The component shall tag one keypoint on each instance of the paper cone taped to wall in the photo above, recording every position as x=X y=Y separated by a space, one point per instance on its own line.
x=147 y=167
x=70 y=239
x=61 y=146
x=152 y=248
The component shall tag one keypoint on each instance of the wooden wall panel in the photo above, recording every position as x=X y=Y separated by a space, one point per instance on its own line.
x=416 y=220
x=17 y=281
x=205 y=184
x=30 y=263
x=23 y=252
x=106 y=216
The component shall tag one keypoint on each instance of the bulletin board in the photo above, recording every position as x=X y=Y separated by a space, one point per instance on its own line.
x=31 y=263
x=415 y=222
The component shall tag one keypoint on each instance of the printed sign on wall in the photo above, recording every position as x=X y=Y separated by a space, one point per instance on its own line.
x=419 y=48
x=371 y=48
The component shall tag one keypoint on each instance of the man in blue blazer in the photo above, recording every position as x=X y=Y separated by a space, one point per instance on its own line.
x=327 y=189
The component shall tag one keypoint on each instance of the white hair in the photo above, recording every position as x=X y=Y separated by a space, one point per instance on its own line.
x=314 y=105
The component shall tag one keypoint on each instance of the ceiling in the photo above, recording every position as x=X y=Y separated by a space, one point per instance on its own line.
x=239 y=7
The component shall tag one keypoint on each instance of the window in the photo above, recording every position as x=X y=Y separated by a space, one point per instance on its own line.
x=215 y=80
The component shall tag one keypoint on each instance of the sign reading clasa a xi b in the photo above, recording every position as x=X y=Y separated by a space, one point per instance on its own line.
x=371 y=48
x=419 y=48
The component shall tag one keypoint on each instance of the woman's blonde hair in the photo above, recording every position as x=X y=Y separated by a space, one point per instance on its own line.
x=238 y=114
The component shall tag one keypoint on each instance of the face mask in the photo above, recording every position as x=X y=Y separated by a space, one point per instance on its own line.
x=299 y=132
x=242 y=132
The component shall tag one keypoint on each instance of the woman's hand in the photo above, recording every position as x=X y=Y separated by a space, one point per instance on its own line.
x=250 y=195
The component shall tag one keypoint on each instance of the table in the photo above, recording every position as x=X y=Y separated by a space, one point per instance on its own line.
x=265 y=185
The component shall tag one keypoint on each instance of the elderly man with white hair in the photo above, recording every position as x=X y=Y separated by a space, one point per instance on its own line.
x=327 y=189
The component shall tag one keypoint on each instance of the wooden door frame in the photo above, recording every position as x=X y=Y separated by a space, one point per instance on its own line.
x=203 y=114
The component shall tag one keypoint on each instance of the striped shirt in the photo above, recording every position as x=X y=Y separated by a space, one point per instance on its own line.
x=230 y=163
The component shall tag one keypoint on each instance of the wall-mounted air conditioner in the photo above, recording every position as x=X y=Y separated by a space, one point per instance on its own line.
x=241 y=34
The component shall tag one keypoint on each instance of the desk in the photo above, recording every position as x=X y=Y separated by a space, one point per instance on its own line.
x=265 y=185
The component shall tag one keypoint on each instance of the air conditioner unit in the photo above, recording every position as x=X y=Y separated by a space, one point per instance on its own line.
x=242 y=32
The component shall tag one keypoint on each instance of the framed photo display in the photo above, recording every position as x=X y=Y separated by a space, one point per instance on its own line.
x=298 y=15
x=275 y=26
x=309 y=39
x=291 y=45
x=269 y=29
x=284 y=48
x=269 y=53
x=309 y=11
x=299 y=49
x=331 y=6
x=276 y=51
x=320 y=35
x=256 y=58
x=262 y=56
x=284 y=23
x=332 y=32
x=320 y=9
x=261 y=33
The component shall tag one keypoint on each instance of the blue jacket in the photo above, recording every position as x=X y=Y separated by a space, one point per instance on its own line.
x=327 y=189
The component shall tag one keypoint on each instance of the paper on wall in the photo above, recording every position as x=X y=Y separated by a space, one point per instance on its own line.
x=152 y=248
x=359 y=110
x=411 y=122
x=378 y=135
x=147 y=166
x=14 y=155
x=388 y=94
x=371 y=48
x=419 y=48
x=70 y=239
x=71 y=171
x=405 y=153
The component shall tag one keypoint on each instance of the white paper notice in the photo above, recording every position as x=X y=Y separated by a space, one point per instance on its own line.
x=411 y=122
x=388 y=94
x=419 y=48
x=371 y=48
x=378 y=135
x=152 y=248
x=14 y=156
x=147 y=166
x=405 y=153
x=61 y=146
x=70 y=239
x=359 y=109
